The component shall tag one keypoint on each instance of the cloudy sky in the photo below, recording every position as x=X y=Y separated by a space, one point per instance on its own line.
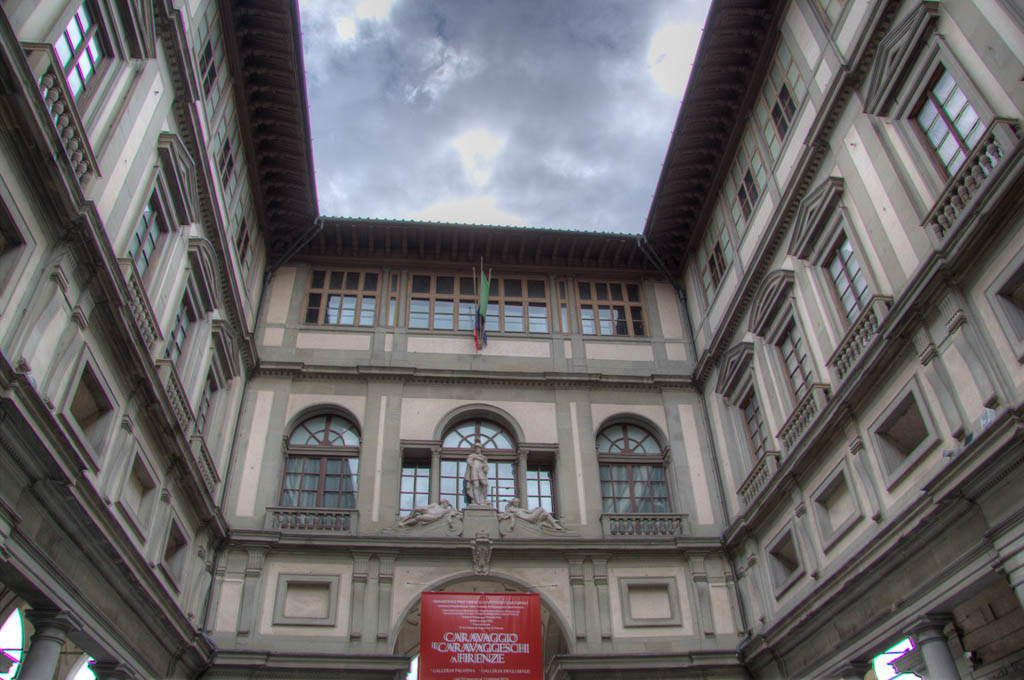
x=546 y=113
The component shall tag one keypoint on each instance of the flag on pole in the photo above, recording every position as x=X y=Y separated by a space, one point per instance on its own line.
x=480 y=327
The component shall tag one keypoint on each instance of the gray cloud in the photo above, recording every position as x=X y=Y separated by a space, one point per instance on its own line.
x=566 y=83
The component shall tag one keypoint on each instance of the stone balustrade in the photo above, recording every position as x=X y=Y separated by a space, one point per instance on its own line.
x=207 y=469
x=312 y=519
x=62 y=109
x=759 y=477
x=646 y=525
x=176 y=394
x=803 y=415
x=858 y=337
x=138 y=303
x=971 y=181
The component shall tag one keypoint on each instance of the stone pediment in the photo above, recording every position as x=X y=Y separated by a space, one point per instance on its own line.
x=895 y=56
x=772 y=294
x=813 y=215
x=735 y=367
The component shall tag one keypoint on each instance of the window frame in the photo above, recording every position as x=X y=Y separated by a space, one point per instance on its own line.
x=495 y=456
x=326 y=291
x=1009 y=312
x=788 y=326
x=630 y=307
x=936 y=54
x=77 y=51
x=764 y=109
x=322 y=452
x=606 y=460
x=464 y=304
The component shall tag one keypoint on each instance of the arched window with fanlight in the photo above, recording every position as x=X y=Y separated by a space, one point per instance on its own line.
x=632 y=469
x=498 y=446
x=321 y=464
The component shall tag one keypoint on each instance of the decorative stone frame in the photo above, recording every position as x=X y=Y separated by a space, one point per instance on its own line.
x=895 y=464
x=94 y=442
x=140 y=524
x=175 y=573
x=782 y=578
x=906 y=59
x=1009 y=314
x=736 y=380
x=671 y=589
x=831 y=535
x=281 y=593
x=17 y=245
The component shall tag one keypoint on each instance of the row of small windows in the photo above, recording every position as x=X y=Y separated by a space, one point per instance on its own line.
x=322 y=465
x=449 y=302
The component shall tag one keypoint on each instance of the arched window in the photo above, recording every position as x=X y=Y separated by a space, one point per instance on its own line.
x=632 y=467
x=322 y=464
x=499 y=447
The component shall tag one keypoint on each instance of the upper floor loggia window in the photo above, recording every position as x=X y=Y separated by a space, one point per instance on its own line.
x=632 y=470
x=321 y=464
x=79 y=51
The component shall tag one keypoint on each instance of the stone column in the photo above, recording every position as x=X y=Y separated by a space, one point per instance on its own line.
x=385 y=579
x=929 y=638
x=600 y=566
x=435 y=474
x=579 y=597
x=52 y=627
x=360 y=574
x=521 y=477
x=251 y=589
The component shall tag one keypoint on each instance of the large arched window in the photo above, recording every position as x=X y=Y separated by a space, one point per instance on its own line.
x=499 y=447
x=322 y=464
x=632 y=467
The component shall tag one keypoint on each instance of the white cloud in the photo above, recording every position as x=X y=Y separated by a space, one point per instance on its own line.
x=670 y=56
x=377 y=10
x=478 y=150
x=443 y=66
x=346 y=28
x=474 y=210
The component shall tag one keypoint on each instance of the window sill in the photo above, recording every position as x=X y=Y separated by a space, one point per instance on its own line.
x=858 y=337
x=803 y=415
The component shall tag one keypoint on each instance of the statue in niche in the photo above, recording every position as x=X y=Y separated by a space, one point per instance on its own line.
x=475 y=483
x=539 y=516
x=428 y=514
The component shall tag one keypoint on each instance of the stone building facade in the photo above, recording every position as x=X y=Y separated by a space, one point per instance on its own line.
x=776 y=433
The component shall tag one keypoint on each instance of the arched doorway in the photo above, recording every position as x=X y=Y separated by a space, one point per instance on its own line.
x=554 y=631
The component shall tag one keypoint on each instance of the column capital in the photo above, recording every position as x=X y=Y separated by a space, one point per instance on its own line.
x=110 y=670
x=929 y=626
x=45 y=617
x=855 y=670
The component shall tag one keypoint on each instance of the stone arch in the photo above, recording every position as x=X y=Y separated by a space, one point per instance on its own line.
x=479 y=410
x=324 y=409
x=640 y=421
x=556 y=632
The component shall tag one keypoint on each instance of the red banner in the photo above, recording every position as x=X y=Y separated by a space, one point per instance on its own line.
x=480 y=636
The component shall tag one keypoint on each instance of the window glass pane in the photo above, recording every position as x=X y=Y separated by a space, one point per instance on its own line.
x=444 y=314
x=352 y=281
x=337 y=280
x=467 y=316
x=584 y=291
x=445 y=285
x=369 y=306
x=535 y=289
x=538 y=318
x=513 y=317
x=513 y=288
x=420 y=284
x=466 y=285
x=419 y=313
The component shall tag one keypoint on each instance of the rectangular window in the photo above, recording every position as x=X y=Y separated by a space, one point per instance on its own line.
x=746 y=181
x=714 y=254
x=448 y=302
x=242 y=245
x=794 y=357
x=176 y=340
x=342 y=298
x=776 y=107
x=948 y=121
x=144 y=240
x=320 y=482
x=415 y=489
x=633 y=488
x=610 y=308
x=207 y=68
x=79 y=51
x=226 y=163
x=563 y=307
x=393 y=302
x=203 y=412
x=848 y=280
x=539 y=492
x=753 y=423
